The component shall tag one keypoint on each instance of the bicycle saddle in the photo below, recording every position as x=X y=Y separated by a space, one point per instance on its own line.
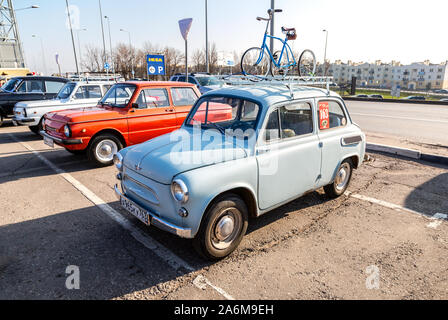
x=288 y=29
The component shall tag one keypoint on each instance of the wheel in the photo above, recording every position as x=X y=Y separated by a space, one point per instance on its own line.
x=37 y=129
x=307 y=64
x=255 y=62
x=342 y=180
x=281 y=71
x=76 y=152
x=223 y=227
x=102 y=149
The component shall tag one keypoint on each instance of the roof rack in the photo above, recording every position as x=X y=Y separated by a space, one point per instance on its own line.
x=289 y=81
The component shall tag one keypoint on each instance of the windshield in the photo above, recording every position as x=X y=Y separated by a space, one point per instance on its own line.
x=119 y=95
x=11 y=84
x=66 y=90
x=225 y=114
x=209 y=81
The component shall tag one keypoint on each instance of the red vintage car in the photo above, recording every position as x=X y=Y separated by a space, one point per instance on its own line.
x=129 y=113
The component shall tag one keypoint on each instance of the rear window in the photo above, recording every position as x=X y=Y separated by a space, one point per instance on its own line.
x=183 y=96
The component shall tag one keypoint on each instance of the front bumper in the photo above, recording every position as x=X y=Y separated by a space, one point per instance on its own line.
x=160 y=223
x=23 y=120
x=61 y=141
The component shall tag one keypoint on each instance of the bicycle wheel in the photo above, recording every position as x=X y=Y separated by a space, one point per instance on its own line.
x=307 y=64
x=281 y=70
x=252 y=65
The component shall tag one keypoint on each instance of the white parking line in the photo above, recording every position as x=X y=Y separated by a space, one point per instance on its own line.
x=439 y=217
x=157 y=248
x=394 y=117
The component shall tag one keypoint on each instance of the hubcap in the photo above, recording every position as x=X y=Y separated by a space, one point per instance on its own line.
x=106 y=149
x=342 y=177
x=227 y=228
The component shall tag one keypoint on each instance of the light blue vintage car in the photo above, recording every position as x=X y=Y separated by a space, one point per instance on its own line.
x=242 y=151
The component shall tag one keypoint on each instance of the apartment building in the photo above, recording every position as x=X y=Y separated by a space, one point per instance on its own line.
x=416 y=76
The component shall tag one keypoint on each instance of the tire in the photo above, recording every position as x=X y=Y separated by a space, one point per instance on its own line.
x=249 y=64
x=1 y=120
x=102 y=148
x=307 y=64
x=342 y=180
x=215 y=243
x=283 y=72
x=37 y=129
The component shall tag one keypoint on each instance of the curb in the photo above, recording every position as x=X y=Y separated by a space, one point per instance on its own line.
x=407 y=153
x=428 y=102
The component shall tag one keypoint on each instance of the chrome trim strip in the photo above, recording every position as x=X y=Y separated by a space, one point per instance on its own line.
x=346 y=141
x=160 y=223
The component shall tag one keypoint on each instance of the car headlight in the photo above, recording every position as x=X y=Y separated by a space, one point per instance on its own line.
x=67 y=131
x=179 y=191
x=118 y=161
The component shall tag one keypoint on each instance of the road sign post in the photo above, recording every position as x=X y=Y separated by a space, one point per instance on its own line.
x=184 y=26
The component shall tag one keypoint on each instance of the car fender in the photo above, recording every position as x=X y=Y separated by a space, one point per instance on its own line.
x=207 y=183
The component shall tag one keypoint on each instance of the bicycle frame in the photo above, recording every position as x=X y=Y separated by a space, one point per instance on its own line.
x=286 y=49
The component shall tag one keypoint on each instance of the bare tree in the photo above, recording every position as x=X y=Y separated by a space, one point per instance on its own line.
x=198 y=60
x=93 y=60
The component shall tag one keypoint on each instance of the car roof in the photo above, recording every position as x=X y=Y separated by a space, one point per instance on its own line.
x=93 y=82
x=42 y=78
x=272 y=94
x=158 y=84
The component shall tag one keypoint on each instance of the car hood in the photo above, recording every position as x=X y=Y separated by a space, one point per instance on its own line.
x=164 y=157
x=39 y=103
x=86 y=114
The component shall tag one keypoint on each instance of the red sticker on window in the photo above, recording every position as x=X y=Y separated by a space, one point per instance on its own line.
x=324 y=116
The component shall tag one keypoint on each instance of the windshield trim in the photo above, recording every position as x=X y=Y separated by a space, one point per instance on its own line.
x=211 y=96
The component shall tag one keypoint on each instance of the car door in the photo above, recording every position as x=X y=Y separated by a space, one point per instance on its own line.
x=151 y=116
x=333 y=121
x=183 y=99
x=288 y=154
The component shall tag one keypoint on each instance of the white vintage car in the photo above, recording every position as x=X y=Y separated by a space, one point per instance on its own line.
x=80 y=94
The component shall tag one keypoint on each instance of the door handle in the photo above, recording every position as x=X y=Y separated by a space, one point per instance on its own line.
x=169 y=110
x=263 y=151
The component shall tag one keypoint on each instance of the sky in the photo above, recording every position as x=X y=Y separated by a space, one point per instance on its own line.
x=358 y=30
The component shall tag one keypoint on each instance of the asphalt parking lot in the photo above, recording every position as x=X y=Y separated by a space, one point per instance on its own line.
x=386 y=239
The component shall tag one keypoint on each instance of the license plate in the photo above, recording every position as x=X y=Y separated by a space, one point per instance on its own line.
x=136 y=211
x=49 y=142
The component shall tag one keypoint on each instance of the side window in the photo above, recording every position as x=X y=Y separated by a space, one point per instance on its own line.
x=181 y=79
x=31 y=86
x=191 y=80
x=272 y=131
x=141 y=100
x=331 y=115
x=296 y=120
x=156 y=98
x=183 y=96
x=53 y=86
x=93 y=92
x=249 y=111
x=80 y=93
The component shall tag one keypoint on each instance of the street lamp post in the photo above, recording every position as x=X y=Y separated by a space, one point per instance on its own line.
x=102 y=32
x=79 y=45
x=207 y=63
x=43 y=53
x=130 y=48
x=325 y=52
x=73 y=38
x=110 y=44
